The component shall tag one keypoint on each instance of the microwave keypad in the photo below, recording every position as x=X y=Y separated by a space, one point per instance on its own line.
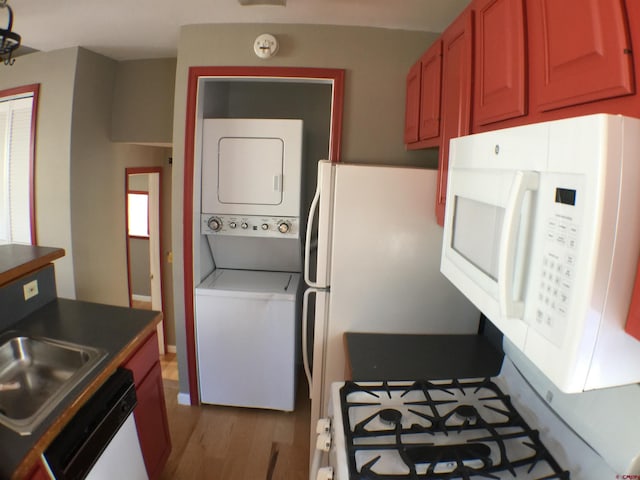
x=558 y=269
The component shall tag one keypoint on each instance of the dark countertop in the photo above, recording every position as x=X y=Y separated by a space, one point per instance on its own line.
x=18 y=260
x=117 y=330
x=375 y=357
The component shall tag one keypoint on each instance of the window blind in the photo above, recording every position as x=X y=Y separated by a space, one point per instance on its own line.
x=15 y=162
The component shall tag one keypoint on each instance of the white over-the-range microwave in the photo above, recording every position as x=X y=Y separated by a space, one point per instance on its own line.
x=542 y=234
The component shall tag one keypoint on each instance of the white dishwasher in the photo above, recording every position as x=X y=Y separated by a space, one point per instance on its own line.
x=247 y=338
x=101 y=440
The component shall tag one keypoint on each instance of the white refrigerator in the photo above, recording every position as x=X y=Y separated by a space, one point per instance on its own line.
x=377 y=268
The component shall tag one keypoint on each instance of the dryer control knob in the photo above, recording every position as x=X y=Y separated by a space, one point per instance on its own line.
x=284 y=227
x=265 y=226
x=233 y=225
x=244 y=225
x=215 y=224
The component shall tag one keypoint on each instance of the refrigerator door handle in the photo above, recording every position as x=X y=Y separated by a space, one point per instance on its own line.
x=307 y=244
x=305 y=339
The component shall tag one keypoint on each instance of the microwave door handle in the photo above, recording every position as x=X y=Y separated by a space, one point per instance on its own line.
x=304 y=335
x=524 y=181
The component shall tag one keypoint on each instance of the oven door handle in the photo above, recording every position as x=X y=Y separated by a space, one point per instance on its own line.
x=524 y=181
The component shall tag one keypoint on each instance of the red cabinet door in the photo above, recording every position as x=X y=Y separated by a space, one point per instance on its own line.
x=151 y=422
x=579 y=51
x=430 y=91
x=500 y=59
x=39 y=472
x=412 y=105
x=457 y=66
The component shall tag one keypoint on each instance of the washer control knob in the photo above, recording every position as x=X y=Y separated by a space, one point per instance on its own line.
x=214 y=223
x=244 y=225
x=284 y=227
x=265 y=226
x=233 y=225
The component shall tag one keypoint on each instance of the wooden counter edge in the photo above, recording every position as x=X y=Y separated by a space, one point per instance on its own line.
x=23 y=269
x=28 y=463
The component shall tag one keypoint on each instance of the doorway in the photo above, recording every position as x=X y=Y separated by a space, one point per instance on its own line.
x=199 y=77
x=144 y=251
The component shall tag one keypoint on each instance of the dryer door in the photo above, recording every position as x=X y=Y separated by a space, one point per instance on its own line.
x=250 y=170
x=251 y=167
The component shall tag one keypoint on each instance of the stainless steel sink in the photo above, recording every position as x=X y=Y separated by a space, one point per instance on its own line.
x=36 y=374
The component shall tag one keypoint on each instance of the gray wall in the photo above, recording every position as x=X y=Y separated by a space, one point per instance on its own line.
x=55 y=72
x=376 y=63
x=143 y=101
x=80 y=174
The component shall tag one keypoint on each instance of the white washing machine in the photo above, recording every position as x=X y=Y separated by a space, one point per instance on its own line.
x=247 y=331
x=251 y=192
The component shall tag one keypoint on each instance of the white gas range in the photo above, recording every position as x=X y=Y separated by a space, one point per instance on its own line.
x=514 y=425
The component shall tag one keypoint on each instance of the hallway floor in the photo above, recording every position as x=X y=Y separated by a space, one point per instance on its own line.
x=228 y=443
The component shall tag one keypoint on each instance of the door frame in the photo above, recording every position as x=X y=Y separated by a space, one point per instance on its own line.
x=136 y=171
x=304 y=74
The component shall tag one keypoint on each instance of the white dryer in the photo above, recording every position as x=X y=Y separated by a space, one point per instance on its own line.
x=247 y=332
x=251 y=192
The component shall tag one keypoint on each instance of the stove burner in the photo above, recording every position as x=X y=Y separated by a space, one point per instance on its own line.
x=467 y=413
x=390 y=416
x=446 y=429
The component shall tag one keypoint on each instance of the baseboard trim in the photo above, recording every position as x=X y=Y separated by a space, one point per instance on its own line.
x=141 y=298
x=171 y=349
x=184 y=399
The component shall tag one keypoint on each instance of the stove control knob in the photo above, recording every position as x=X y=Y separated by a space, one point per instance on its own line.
x=233 y=225
x=214 y=223
x=284 y=227
x=244 y=225
x=325 y=473
x=265 y=226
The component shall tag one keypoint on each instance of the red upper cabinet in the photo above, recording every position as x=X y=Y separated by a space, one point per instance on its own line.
x=579 y=52
x=500 y=60
x=457 y=67
x=412 y=105
x=430 y=92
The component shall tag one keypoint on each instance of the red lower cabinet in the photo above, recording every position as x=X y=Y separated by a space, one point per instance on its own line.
x=150 y=412
x=39 y=472
x=151 y=420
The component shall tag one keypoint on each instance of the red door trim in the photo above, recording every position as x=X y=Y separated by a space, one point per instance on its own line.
x=336 y=76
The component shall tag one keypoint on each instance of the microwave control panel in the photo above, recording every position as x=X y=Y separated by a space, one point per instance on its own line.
x=557 y=277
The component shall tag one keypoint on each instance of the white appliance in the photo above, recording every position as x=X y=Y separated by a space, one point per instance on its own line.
x=514 y=425
x=251 y=192
x=378 y=251
x=251 y=166
x=247 y=338
x=542 y=234
x=101 y=440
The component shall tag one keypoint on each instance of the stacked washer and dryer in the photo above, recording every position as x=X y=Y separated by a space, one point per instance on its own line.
x=247 y=309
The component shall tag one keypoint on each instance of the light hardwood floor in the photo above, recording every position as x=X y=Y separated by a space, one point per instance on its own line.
x=226 y=443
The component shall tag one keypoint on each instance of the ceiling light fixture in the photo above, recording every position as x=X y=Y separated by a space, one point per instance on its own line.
x=9 y=41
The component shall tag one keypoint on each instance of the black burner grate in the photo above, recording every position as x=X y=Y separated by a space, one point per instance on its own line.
x=444 y=415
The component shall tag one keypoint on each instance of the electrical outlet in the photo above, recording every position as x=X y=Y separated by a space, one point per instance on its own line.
x=30 y=289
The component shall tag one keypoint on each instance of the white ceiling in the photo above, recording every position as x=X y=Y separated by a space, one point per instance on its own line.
x=133 y=29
